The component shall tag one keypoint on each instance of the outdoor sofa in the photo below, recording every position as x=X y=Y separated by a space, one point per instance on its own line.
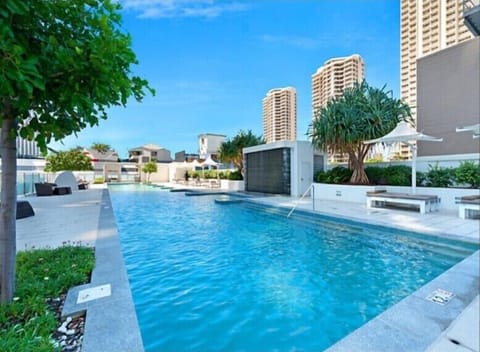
x=49 y=189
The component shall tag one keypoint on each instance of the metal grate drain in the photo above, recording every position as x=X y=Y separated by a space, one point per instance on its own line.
x=440 y=296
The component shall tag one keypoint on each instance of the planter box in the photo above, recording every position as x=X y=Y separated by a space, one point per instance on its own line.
x=347 y=193
x=230 y=185
x=357 y=194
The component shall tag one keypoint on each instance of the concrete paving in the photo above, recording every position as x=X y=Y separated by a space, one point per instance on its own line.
x=70 y=218
x=83 y=216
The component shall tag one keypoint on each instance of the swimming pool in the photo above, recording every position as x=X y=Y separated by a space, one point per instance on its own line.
x=242 y=277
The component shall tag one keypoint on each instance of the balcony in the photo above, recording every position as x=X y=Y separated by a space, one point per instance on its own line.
x=471 y=16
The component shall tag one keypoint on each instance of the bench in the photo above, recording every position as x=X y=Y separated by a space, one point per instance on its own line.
x=425 y=203
x=468 y=206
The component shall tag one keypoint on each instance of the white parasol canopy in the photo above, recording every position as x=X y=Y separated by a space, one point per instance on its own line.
x=209 y=162
x=405 y=133
x=472 y=128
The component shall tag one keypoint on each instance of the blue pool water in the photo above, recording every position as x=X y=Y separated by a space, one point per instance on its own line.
x=238 y=277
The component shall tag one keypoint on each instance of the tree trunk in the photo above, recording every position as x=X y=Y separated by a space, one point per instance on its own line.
x=8 y=209
x=359 y=175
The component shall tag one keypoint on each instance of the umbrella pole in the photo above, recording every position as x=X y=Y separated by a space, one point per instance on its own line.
x=414 y=168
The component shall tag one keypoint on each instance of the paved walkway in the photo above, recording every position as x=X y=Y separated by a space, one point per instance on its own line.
x=76 y=218
x=69 y=218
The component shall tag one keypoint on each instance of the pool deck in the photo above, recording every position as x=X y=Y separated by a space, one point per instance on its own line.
x=86 y=217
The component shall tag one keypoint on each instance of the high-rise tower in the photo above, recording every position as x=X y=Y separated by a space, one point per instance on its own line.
x=427 y=26
x=280 y=115
x=331 y=80
x=333 y=77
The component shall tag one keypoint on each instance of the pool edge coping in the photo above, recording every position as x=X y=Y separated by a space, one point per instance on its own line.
x=115 y=315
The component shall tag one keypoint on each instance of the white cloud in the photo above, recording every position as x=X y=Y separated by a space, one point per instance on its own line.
x=182 y=8
x=291 y=40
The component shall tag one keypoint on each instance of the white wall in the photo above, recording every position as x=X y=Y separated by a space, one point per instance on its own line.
x=423 y=162
x=232 y=185
x=357 y=193
x=301 y=176
x=350 y=193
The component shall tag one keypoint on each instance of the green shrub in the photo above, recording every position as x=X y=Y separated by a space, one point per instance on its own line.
x=398 y=175
x=193 y=174
x=421 y=178
x=468 y=172
x=394 y=175
x=337 y=175
x=320 y=177
x=438 y=176
x=376 y=175
x=209 y=174
x=235 y=175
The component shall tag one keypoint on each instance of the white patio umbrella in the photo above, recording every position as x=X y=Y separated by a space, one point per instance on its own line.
x=472 y=128
x=209 y=162
x=405 y=133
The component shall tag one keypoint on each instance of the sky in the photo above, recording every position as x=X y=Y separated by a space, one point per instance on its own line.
x=212 y=62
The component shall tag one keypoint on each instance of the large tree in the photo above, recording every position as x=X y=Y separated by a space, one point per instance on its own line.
x=232 y=149
x=74 y=160
x=63 y=63
x=361 y=113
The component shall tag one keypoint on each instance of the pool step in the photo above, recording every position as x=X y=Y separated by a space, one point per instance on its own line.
x=225 y=199
x=452 y=249
x=203 y=193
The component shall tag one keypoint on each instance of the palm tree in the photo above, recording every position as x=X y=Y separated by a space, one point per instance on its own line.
x=149 y=168
x=362 y=113
x=232 y=149
x=100 y=147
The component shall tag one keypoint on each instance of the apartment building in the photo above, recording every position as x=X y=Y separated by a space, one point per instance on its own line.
x=209 y=145
x=280 y=115
x=333 y=77
x=27 y=149
x=331 y=80
x=148 y=153
x=427 y=26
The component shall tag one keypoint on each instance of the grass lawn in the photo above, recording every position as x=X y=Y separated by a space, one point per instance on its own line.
x=27 y=324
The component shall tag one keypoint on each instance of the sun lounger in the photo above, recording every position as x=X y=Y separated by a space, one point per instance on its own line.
x=469 y=206
x=424 y=203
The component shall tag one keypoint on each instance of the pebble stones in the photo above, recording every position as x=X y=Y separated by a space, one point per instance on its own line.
x=69 y=335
